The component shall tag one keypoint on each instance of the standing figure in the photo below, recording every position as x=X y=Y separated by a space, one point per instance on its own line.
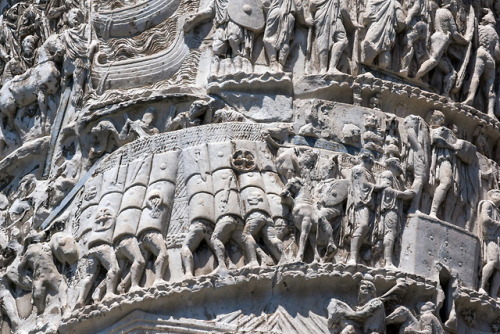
x=331 y=39
x=383 y=18
x=487 y=55
x=416 y=32
x=361 y=203
x=100 y=254
x=417 y=154
x=235 y=24
x=445 y=31
x=278 y=33
x=79 y=54
x=489 y=223
x=391 y=207
x=443 y=159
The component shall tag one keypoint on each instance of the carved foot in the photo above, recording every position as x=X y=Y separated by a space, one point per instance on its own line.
x=482 y=291
x=220 y=271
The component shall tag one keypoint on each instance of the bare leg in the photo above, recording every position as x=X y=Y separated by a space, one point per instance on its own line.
x=155 y=243
x=193 y=239
x=129 y=248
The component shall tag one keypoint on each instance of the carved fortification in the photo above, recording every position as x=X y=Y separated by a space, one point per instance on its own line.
x=249 y=166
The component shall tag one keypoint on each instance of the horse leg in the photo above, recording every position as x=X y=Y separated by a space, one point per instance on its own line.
x=313 y=240
x=305 y=229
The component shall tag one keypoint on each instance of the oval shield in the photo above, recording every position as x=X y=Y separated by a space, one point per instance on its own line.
x=247 y=13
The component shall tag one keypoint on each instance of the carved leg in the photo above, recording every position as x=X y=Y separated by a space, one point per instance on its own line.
x=196 y=234
x=486 y=273
x=384 y=60
x=272 y=242
x=153 y=241
x=129 y=249
x=39 y=296
x=90 y=270
x=313 y=240
x=428 y=65
x=337 y=50
x=305 y=229
x=222 y=232
x=253 y=226
x=474 y=84
x=108 y=260
x=445 y=182
x=362 y=220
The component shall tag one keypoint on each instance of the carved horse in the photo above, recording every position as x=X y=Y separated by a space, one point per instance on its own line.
x=313 y=212
x=35 y=84
x=402 y=316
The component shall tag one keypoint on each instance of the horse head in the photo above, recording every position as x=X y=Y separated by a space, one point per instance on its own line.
x=293 y=186
x=52 y=49
x=400 y=315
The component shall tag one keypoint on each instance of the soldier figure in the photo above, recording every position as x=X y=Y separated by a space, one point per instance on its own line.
x=361 y=202
x=487 y=55
x=100 y=254
x=391 y=207
x=489 y=216
x=235 y=24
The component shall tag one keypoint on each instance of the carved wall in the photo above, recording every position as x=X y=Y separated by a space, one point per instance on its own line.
x=277 y=166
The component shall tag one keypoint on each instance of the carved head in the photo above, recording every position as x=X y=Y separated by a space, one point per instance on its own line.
x=435 y=119
x=394 y=166
x=307 y=159
x=488 y=17
x=104 y=219
x=428 y=307
x=149 y=116
x=29 y=45
x=366 y=158
x=371 y=121
x=75 y=17
x=367 y=291
x=254 y=198
x=494 y=196
x=351 y=134
x=154 y=203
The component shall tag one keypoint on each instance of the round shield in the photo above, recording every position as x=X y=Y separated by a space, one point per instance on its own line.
x=247 y=13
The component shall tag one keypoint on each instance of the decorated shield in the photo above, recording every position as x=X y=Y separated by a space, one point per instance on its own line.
x=247 y=13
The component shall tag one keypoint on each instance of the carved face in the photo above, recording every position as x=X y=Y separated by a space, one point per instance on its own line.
x=29 y=46
x=494 y=196
x=154 y=203
x=366 y=292
x=254 y=198
x=75 y=17
x=104 y=219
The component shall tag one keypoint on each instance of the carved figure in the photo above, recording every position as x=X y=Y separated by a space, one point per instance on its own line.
x=47 y=281
x=330 y=35
x=487 y=55
x=235 y=25
x=257 y=214
x=360 y=203
x=429 y=322
x=34 y=85
x=100 y=254
x=443 y=158
x=489 y=224
x=417 y=156
x=371 y=139
x=280 y=23
x=415 y=34
x=154 y=219
x=445 y=30
x=139 y=128
x=382 y=18
x=79 y=52
x=391 y=207
x=369 y=315
x=199 y=230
